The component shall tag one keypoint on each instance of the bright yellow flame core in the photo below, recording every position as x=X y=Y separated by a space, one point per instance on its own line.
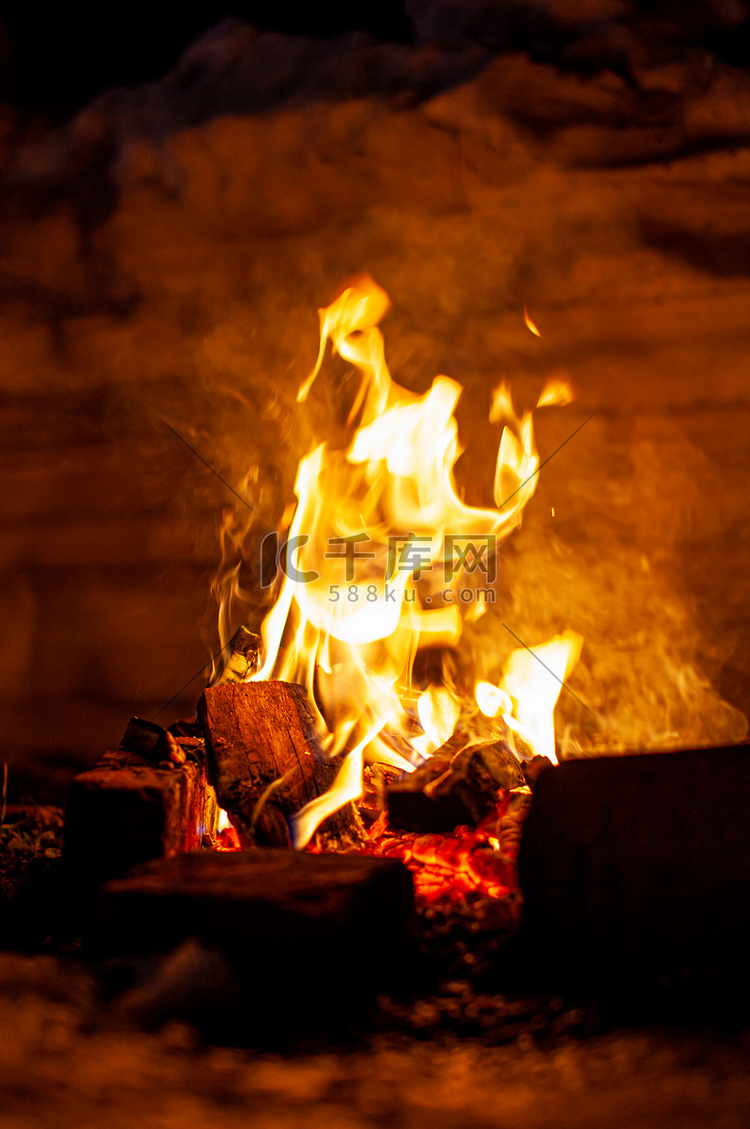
x=351 y=640
x=532 y=681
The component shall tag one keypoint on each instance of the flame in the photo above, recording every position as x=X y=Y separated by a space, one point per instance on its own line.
x=529 y=323
x=532 y=682
x=227 y=838
x=382 y=558
x=438 y=711
x=556 y=393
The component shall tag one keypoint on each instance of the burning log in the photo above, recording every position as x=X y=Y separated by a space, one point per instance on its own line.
x=376 y=779
x=309 y=939
x=449 y=790
x=262 y=741
x=126 y=810
x=637 y=868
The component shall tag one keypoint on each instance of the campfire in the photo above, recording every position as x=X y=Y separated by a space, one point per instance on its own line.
x=366 y=722
x=359 y=720
x=381 y=565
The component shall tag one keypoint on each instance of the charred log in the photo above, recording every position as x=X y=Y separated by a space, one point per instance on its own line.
x=286 y=940
x=259 y=898
x=265 y=757
x=126 y=811
x=453 y=789
x=147 y=738
x=156 y=744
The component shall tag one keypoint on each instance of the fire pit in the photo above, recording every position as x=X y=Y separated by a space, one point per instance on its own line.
x=358 y=731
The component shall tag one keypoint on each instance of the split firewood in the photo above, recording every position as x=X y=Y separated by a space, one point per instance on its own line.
x=344 y=830
x=224 y=897
x=451 y=789
x=376 y=779
x=265 y=757
x=126 y=810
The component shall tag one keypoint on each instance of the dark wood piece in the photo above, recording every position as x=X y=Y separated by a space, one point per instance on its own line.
x=125 y=811
x=265 y=757
x=308 y=939
x=635 y=870
x=449 y=790
x=147 y=738
x=257 y=900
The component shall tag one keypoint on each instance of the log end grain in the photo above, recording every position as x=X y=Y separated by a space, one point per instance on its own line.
x=264 y=754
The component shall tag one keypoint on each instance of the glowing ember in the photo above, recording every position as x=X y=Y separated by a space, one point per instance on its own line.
x=227 y=838
x=382 y=560
x=469 y=860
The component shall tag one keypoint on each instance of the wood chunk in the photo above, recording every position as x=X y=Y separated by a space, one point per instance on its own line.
x=344 y=830
x=376 y=779
x=449 y=790
x=147 y=738
x=125 y=811
x=635 y=871
x=154 y=743
x=261 y=738
x=265 y=898
x=312 y=938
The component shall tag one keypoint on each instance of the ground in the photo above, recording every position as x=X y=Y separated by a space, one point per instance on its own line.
x=67 y=1062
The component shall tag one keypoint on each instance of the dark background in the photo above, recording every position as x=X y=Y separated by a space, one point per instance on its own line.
x=54 y=60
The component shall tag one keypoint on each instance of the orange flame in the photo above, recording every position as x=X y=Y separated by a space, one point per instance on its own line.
x=529 y=323
x=383 y=558
x=532 y=682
